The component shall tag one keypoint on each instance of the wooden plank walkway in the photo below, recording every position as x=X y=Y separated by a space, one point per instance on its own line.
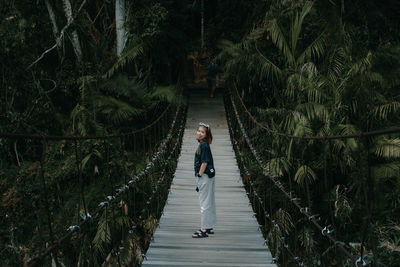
x=237 y=240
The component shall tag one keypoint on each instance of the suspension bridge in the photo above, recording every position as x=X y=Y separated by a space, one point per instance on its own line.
x=237 y=240
x=111 y=228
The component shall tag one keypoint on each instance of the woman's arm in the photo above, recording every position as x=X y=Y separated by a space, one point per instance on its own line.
x=203 y=168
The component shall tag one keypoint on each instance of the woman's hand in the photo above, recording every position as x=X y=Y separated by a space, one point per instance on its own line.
x=202 y=168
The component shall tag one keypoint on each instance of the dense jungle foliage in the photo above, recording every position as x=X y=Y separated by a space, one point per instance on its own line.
x=66 y=72
x=324 y=68
x=308 y=68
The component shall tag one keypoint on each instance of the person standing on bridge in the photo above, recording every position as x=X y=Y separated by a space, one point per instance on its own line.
x=205 y=173
x=213 y=77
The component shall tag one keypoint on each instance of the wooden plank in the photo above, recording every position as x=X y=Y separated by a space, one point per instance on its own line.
x=237 y=240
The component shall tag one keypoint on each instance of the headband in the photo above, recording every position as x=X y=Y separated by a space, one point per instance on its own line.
x=204 y=125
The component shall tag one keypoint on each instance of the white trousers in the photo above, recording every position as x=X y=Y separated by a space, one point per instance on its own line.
x=207 y=201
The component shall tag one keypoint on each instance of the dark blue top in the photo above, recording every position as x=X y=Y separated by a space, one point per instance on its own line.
x=203 y=154
x=213 y=70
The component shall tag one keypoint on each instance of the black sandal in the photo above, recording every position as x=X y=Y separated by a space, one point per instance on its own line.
x=210 y=231
x=199 y=234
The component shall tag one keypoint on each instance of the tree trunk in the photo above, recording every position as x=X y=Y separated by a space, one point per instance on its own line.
x=74 y=38
x=54 y=24
x=120 y=25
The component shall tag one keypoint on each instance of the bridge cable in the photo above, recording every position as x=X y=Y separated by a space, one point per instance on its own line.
x=290 y=196
x=331 y=137
x=72 y=137
x=261 y=202
x=72 y=230
x=359 y=135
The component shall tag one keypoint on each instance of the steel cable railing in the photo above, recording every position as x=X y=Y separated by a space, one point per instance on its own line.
x=261 y=202
x=330 y=137
x=141 y=141
x=111 y=199
x=163 y=175
x=71 y=137
x=325 y=231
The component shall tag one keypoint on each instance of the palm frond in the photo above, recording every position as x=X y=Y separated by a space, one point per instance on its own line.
x=335 y=64
x=314 y=111
x=387 y=148
x=385 y=170
x=266 y=67
x=315 y=50
x=304 y=174
x=315 y=94
x=296 y=123
x=284 y=220
x=375 y=77
x=347 y=129
x=359 y=67
x=297 y=23
x=306 y=239
x=303 y=128
x=83 y=123
x=278 y=166
x=134 y=50
x=92 y=154
x=103 y=234
x=116 y=110
x=228 y=50
x=294 y=83
x=382 y=112
x=279 y=40
x=163 y=93
x=309 y=70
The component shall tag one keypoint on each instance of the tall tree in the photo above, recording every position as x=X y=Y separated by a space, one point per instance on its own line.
x=54 y=24
x=120 y=17
x=74 y=38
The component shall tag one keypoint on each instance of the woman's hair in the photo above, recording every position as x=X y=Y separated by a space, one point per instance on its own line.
x=209 y=136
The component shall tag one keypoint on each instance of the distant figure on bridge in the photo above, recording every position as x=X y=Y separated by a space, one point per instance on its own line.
x=205 y=172
x=213 y=77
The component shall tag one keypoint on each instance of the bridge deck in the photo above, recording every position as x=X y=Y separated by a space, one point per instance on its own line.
x=237 y=240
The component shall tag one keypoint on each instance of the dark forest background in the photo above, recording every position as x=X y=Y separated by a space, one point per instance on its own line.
x=322 y=67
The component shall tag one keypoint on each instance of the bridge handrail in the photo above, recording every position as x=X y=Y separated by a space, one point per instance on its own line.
x=329 y=137
x=110 y=199
x=277 y=183
x=297 y=259
x=72 y=137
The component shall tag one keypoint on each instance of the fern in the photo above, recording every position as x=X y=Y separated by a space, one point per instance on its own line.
x=116 y=110
x=135 y=49
x=164 y=93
